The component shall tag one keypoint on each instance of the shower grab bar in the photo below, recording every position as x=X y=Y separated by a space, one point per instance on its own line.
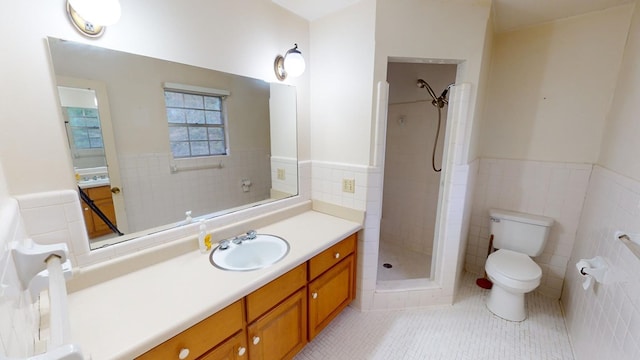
x=31 y=260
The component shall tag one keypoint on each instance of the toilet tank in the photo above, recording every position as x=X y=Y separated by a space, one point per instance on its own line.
x=524 y=233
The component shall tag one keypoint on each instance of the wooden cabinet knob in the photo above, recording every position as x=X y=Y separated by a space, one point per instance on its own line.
x=184 y=353
x=241 y=351
x=337 y=255
x=256 y=340
x=314 y=295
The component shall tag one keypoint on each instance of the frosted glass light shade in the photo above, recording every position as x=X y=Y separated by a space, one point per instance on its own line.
x=97 y=12
x=294 y=63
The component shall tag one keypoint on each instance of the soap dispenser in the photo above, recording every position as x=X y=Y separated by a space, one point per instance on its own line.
x=204 y=239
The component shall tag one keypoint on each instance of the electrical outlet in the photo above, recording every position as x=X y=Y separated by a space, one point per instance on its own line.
x=281 y=174
x=349 y=185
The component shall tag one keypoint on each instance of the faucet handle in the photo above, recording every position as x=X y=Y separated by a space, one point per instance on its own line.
x=224 y=245
x=251 y=234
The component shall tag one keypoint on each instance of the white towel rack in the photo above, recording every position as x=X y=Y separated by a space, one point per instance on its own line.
x=174 y=168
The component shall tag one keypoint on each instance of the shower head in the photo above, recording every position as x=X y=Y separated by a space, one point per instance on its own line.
x=424 y=85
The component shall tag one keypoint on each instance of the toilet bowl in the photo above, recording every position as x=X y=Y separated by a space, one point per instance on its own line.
x=513 y=275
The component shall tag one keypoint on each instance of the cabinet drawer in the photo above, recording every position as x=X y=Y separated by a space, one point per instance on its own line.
x=202 y=336
x=326 y=259
x=100 y=192
x=268 y=296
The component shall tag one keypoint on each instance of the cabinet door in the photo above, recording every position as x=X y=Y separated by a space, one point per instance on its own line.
x=282 y=332
x=234 y=348
x=329 y=294
x=101 y=197
x=87 y=213
x=106 y=206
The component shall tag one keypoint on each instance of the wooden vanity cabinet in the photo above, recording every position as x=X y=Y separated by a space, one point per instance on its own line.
x=101 y=197
x=276 y=321
x=332 y=284
x=209 y=334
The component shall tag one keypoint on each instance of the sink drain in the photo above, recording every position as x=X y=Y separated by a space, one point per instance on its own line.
x=387 y=265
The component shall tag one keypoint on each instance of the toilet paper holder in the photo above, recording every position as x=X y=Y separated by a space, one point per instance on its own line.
x=592 y=269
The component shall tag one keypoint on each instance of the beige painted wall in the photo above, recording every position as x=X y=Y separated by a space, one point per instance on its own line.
x=251 y=33
x=342 y=77
x=550 y=88
x=620 y=145
x=485 y=72
x=4 y=193
x=611 y=205
x=456 y=31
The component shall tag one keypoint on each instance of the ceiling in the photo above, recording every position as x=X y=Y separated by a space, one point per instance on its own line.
x=508 y=14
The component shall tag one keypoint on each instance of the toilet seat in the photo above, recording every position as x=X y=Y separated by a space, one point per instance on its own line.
x=513 y=269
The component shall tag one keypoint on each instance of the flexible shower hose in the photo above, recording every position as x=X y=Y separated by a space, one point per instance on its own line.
x=435 y=142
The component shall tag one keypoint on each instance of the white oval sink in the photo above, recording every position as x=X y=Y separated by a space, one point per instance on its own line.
x=251 y=254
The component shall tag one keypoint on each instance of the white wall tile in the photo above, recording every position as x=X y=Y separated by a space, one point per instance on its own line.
x=612 y=308
x=144 y=175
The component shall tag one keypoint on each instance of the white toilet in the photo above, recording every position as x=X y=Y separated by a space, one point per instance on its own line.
x=518 y=237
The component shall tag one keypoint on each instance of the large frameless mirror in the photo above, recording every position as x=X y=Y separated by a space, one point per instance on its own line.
x=155 y=143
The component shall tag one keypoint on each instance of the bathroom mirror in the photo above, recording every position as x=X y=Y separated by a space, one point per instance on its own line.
x=156 y=143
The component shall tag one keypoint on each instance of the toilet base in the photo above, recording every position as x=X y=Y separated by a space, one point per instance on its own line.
x=507 y=305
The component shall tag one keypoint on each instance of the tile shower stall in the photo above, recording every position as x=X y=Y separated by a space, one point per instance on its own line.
x=411 y=185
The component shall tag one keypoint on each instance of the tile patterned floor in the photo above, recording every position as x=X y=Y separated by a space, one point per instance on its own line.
x=466 y=330
x=406 y=264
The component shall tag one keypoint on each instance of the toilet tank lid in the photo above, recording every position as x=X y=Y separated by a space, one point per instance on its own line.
x=521 y=217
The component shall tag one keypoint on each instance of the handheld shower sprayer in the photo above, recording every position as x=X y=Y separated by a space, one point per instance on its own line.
x=439 y=102
x=424 y=85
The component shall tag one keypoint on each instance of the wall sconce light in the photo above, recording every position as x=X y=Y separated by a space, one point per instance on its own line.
x=292 y=63
x=91 y=17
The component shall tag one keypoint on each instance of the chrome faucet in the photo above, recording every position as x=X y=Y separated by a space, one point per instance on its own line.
x=223 y=245
x=250 y=235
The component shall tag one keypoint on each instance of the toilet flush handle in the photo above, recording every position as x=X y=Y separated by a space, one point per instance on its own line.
x=493 y=219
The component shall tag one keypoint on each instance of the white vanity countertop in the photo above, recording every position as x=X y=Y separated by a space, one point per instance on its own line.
x=126 y=316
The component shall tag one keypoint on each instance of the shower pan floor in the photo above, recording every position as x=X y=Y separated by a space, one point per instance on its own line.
x=405 y=263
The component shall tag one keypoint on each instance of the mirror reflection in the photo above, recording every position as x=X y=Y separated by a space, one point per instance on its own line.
x=156 y=144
